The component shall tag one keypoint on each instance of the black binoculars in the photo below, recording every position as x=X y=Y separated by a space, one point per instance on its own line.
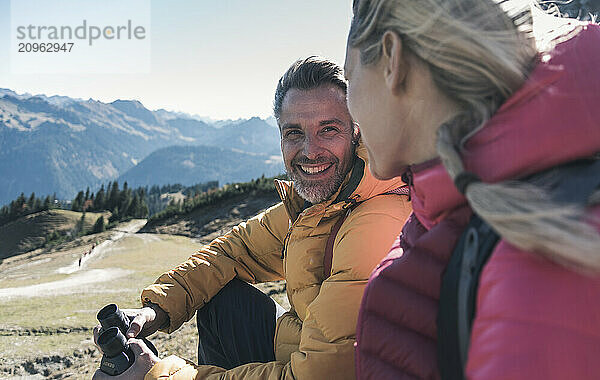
x=117 y=354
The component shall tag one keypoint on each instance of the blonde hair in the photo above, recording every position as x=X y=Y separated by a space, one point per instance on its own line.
x=479 y=53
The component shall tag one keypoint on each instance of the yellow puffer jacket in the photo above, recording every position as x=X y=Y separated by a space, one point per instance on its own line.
x=315 y=339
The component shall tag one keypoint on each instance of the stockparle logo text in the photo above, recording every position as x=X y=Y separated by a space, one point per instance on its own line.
x=84 y=31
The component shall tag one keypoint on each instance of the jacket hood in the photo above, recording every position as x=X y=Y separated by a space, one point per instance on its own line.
x=553 y=118
x=359 y=185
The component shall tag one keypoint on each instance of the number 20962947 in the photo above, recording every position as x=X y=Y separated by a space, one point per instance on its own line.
x=45 y=47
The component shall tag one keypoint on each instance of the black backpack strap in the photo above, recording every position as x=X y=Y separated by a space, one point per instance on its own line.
x=458 y=296
x=571 y=183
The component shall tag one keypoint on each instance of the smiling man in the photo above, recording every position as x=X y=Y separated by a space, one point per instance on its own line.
x=334 y=223
x=318 y=152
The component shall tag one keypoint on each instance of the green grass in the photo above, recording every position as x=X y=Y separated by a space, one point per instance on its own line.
x=147 y=260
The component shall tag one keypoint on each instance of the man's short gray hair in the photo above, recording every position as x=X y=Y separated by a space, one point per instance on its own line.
x=306 y=74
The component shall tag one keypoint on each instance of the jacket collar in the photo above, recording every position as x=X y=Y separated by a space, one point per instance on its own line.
x=551 y=120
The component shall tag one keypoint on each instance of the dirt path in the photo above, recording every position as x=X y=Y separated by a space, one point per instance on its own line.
x=97 y=252
x=81 y=276
x=66 y=286
x=48 y=310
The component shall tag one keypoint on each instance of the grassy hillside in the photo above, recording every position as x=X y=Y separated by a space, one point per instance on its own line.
x=212 y=220
x=30 y=232
x=49 y=299
x=237 y=192
x=47 y=313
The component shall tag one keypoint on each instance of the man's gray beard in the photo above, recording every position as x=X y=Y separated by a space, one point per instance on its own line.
x=316 y=192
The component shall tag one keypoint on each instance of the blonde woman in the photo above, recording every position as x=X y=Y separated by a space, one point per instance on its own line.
x=465 y=100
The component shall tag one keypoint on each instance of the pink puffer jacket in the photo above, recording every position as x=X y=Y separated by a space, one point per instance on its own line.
x=534 y=318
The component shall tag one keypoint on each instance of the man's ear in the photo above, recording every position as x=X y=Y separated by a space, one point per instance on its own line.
x=355 y=133
x=395 y=64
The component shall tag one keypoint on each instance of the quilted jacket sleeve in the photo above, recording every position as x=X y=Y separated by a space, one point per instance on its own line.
x=534 y=320
x=328 y=332
x=251 y=251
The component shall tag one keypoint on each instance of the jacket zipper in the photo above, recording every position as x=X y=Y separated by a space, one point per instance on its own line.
x=287 y=237
x=289 y=232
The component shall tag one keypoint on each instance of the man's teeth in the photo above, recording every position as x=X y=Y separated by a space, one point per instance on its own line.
x=314 y=169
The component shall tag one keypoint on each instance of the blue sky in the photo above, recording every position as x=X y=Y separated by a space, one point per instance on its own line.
x=212 y=58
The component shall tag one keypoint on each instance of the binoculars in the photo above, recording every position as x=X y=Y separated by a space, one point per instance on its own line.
x=117 y=354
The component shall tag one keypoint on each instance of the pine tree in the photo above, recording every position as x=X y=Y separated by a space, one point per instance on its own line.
x=37 y=205
x=100 y=200
x=47 y=203
x=12 y=209
x=125 y=201
x=4 y=215
x=77 y=204
x=115 y=217
x=31 y=203
x=144 y=212
x=20 y=202
x=99 y=225
x=82 y=223
x=134 y=207
x=113 y=198
x=17 y=206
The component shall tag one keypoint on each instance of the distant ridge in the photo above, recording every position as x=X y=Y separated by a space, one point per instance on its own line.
x=185 y=164
x=61 y=145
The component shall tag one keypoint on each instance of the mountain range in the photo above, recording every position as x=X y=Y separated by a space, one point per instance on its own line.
x=62 y=145
x=185 y=164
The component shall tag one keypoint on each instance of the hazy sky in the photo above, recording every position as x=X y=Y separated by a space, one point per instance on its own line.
x=217 y=58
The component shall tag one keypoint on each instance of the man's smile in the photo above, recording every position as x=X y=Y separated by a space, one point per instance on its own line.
x=314 y=169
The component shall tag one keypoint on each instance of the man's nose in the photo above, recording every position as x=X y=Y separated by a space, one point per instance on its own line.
x=312 y=148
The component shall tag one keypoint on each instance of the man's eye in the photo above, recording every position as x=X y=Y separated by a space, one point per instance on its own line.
x=293 y=133
x=330 y=129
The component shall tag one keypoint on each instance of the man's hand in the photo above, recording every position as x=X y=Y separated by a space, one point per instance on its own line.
x=144 y=322
x=144 y=360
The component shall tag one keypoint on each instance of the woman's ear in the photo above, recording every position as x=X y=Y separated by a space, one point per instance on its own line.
x=395 y=64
